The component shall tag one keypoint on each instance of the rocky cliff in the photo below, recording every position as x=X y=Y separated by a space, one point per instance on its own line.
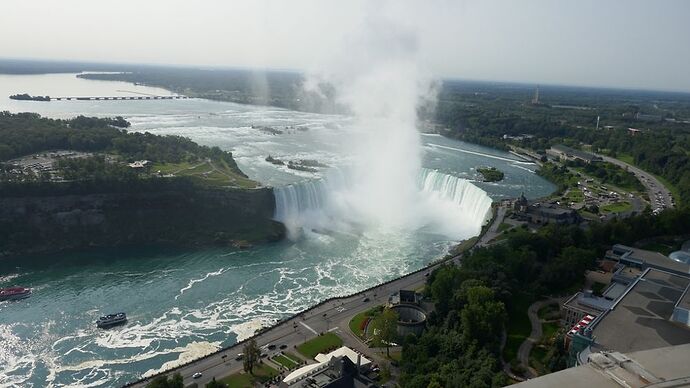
x=51 y=223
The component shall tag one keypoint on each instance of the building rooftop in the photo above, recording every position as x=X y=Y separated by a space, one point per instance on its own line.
x=646 y=259
x=640 y=319
x=612 y=370
x=576 y=153
x=329 y=368
x=588 y=302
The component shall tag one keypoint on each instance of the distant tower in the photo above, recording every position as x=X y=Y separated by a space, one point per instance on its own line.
x=535 y=100
x=597 y=123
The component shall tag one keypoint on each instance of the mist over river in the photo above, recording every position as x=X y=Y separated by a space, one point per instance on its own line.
x=184 y=304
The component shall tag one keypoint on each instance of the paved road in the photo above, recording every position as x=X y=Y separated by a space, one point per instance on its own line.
x=492 y=231
x=659 y=195
x=330 y=316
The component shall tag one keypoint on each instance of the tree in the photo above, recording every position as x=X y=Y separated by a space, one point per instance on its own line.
x=386 y=328
x=483 y=316
x=251 y=356
x=164 y=381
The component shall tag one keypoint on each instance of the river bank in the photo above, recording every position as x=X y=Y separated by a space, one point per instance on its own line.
x=186 y=217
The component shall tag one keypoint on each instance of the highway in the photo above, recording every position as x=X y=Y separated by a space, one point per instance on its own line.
x=331 y=316
x=659 y=196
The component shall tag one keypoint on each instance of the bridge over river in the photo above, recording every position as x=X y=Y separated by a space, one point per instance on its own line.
x=106 y=98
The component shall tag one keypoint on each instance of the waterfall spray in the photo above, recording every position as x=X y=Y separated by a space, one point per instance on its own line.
x=380 y=79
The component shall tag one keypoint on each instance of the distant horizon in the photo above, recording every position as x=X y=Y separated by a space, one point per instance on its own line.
x=526 y=84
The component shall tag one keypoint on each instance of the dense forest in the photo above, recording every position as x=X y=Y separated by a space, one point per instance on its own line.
x=462 y=344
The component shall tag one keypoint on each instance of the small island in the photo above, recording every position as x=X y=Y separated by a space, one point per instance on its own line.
x=491 y=174
x=27 y=97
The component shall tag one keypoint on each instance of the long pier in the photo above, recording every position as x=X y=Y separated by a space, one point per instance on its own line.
x=119 y=98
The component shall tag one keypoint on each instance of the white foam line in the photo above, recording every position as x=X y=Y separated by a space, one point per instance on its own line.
x=309 y=328
x=479 y=154
x=524 y=168
x=194 y=281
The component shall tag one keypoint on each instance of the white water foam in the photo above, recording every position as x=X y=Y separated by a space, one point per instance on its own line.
x=445 y=204
x=480 y=154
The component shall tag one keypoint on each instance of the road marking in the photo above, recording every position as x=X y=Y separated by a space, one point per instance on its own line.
x=333 y=329
x=309 y=328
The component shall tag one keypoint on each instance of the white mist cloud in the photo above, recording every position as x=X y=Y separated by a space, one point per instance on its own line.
x=379 y=75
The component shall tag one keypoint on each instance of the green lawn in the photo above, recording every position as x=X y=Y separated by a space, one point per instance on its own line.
x=356 y=324
x=284 y=361
x=293 y=357
x=575 y=195
x=262 y=373
x=616 y=207
x=519 y=327
x=215 y=173
x=549 y=329
x=503 y=226
x=320 y=344
x=238 y=380
x=626 y=158
x=549 y=312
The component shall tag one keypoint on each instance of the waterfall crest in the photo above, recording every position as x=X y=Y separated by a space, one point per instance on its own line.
x=445 y=204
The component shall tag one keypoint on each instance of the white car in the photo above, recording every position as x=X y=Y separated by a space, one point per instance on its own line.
x=196 y=375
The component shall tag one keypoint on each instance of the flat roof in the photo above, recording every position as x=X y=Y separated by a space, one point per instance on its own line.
x=666 y=364
x=593 y=304
x=684 y=301
x=654 y=259
x=640 y=320
x=574 y=152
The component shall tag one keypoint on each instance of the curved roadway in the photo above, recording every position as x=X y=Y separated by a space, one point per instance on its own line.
x=659 y=196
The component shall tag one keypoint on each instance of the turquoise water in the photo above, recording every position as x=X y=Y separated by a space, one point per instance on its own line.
x=183 y=304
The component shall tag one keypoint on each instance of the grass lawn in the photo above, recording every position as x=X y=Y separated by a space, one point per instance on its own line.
x=262 y=373
x=537 y=358
x=616 y=207
x=588 y=215
x=238 y=380
x=550 y=311
x=356 y=324
x=519 y=326
x=575 y=195
x=284 y=361
x=293 y=357
x=397 y=356
x=215 y=173
x=549 y=329
x=503 y=226
x=465 y=245
x=626 y=158
x=320 y=344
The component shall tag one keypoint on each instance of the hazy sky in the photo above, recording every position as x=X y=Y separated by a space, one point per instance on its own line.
x=625 y=43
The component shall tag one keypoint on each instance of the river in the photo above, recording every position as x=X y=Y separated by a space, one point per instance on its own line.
x=183 y=304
